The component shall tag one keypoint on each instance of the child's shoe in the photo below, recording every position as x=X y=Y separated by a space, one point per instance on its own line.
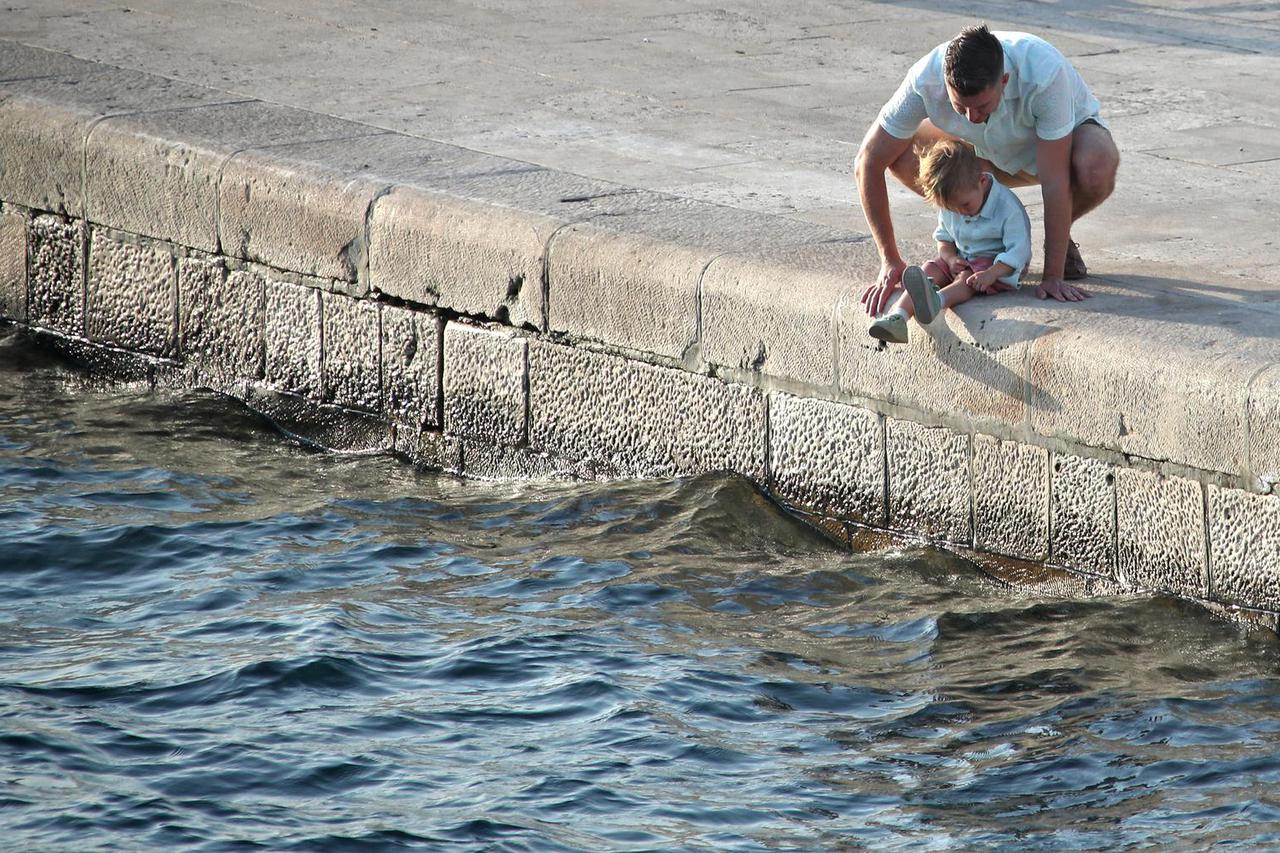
x=924 y=296
x=891 y=328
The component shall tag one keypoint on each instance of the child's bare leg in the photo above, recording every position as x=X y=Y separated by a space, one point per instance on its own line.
x=956 y=293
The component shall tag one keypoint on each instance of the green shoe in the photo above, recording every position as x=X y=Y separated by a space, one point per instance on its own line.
x=924 y=296
x=891 y=328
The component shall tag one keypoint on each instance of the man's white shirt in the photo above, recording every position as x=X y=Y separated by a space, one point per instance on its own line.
x=1046 y=98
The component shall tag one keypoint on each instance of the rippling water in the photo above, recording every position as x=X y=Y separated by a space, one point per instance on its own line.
x=214 y=639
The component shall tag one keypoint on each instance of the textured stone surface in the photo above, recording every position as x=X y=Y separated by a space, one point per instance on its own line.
x=775 y=312
x=486 y=460
x=156 y=173
x=644 y=267
x=56 y=277
x=1171 y=393
x=282 y=207
x=1082 y=514
x=928 y=469
x=132 y=296
x=432 y=248
x=827 y=458
x=13 y=265
x=351 y=352
x=1010 y=498
x=43 y=124
x=411 y=367
x=970 y=361
x=476 y=243
x=642 y=420
x=304 y=206
x=221 y=318
x=485 y=384
x=1160 y=533
x=22 y=62
x=40 y=146
x=292 y=338
x=1264 y=430
x=1244 y=547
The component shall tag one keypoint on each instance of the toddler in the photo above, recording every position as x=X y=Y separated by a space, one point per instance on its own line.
x=983 y=234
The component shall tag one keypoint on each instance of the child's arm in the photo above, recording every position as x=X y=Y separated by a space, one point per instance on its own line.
x=993 y=279
x=1015 y=233
x=949 y=253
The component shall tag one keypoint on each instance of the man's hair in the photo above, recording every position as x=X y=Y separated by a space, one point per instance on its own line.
x=946 y=168
x=974 y=62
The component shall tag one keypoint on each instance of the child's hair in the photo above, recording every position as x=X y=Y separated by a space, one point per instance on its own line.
x=946 y=168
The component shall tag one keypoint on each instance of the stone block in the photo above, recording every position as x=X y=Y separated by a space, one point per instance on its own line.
x=1160 y=533
x=1082 y=514
x=438 y=250
x=1010 y=498
x=411 y=343
x=1244 y=548
x=156 y=173
x=775 y=312
x=44 y=122
x=476 y=244
x=13 y=266
x=293 y=214
x=304 y=206
x=485 y=384
x=1178 y=392
x=292 y=338
x=644 y=267
x=1264 y=430
x=56 y=278
x=131 y=300
x=641 y=420
x=351 y=352
x=220 y=321
x=929 y=482
x=827 y=458
x=41 y=148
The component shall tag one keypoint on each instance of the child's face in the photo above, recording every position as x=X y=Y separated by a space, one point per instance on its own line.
x=969 y=200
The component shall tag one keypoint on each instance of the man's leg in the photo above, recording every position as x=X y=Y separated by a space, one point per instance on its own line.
x=1094 y=161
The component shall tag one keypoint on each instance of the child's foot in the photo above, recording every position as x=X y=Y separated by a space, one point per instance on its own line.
x=1074 y=268
x=891 y=328
x=924 y=296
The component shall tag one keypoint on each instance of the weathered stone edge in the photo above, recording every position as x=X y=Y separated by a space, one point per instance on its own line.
x=734 y=332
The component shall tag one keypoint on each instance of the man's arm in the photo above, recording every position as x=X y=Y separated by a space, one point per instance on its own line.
x=1053 y=164
x=879 y=150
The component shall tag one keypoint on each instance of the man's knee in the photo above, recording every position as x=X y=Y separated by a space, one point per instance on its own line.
x=1094 y=162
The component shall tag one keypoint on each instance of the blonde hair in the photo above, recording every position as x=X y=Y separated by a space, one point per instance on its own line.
x=946 y=168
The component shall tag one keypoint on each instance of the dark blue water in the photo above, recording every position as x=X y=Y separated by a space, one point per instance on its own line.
x=213 y=639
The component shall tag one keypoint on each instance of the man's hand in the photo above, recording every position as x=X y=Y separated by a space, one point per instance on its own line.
x=877 y=297
x=1057 y=288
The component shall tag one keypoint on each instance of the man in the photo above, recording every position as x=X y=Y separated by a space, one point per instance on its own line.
x=1031 y=119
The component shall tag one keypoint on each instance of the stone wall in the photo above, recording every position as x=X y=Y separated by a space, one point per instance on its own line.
x=375 y=291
